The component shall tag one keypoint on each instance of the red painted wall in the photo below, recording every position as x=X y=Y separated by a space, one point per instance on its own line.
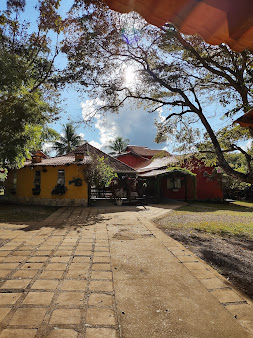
x=207 y=189
x=132 y=161
x=180 y=194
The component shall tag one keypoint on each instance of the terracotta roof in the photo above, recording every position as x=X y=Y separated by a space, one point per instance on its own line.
x=144 y=151
x=216 y=21
x=246 y=120
x=87 y=150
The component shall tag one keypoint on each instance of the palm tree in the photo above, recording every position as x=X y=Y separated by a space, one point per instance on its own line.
x=118 y=145
x=68 y=141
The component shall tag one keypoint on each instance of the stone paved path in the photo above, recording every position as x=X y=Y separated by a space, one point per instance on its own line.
x=110 y=272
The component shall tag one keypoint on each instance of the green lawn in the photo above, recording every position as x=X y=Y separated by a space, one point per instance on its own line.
x=24 y=213
x=224 y=219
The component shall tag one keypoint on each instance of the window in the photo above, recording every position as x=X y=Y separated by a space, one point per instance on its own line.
x=37 y=181
x=14 y=181
x=61 y=177
x=173 y=183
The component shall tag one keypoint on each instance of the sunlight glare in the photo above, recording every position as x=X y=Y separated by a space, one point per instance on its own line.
x=130 y=74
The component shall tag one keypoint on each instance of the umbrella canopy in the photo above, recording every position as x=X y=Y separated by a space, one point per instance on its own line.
x=246 y=120
x=217 y=21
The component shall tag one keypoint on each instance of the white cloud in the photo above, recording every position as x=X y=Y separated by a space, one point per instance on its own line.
x=95 y=144
x=133 y=123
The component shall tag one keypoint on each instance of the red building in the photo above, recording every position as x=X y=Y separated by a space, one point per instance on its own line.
x=197 y=182
x=137 y=157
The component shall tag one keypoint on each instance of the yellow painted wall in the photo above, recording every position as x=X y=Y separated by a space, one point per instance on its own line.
x=26 y=175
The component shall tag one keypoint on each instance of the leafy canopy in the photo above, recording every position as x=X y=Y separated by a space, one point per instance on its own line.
x=28 y=98
x=177 y=74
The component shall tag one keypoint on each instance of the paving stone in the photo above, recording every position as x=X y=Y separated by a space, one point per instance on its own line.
x=82 y=259
x=101 y=275
x=101 y=254
x=8 y=266
x=101 y=266
x=38 y=298
x=70 y=298
x=194 y=266
x=83 y=253
x=77 y=274
x=226 y=296
x=101 y=286
x=4 y=253
x=100 y=333
x=51 y=274
x=16 y=284
x=79 y=266
x=4 y=273
x=24 y=274
x=32 y=266
x=58 y=259
x=213 y=283
x=18 y=259
x=66 y=316
x=241 y=311
x=38 y=259
x=99 y=299
x=18 y=333
x=4 y=312
x=42 y=253
x=74 y=285
x=56 y=266
x=101 y=259
x=45 y=284
x=21 y=253
x=28 y=316
x=63 y=253
x=202 y=274
x=97 y=316
x=63 y=333
x=9 y=298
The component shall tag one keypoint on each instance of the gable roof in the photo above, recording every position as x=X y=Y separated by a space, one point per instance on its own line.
x=87 y=150
x=159 y=163
x=144 y=151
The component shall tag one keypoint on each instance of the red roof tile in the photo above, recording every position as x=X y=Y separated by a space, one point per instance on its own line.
x=87 y=150
x=145 y=151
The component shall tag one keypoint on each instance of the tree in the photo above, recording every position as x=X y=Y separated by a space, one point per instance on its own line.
x=28 y=97
x=98 y=173
x=172 y=70
x=118 y=145
x=69 y=141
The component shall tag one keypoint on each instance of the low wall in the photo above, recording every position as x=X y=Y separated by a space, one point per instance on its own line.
x=64 y=202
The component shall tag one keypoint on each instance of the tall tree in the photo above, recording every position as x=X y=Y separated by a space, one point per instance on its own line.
x=118 y=145
x=28 y=98
x=171 y=70
x=68 y=141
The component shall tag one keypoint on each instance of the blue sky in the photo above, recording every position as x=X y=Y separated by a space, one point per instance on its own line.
x=133 y=123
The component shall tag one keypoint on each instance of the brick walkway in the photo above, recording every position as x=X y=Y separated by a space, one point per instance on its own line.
x=59 y=279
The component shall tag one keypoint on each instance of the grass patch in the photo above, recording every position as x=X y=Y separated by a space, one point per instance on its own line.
x=15 y=213
x=234 y=219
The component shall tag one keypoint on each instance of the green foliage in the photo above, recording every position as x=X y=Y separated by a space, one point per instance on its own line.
x=28 y=98
x=180 y=171
x=118 y=145
x=3 y=174
x=98 y=173
x=69 y=141
x=171 y=70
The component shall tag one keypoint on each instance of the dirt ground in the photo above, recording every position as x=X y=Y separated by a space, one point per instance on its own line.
x=230 y=256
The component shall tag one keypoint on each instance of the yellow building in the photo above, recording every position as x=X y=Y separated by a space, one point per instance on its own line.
x=59 y=180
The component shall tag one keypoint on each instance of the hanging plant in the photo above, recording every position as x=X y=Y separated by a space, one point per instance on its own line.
x=59 y=189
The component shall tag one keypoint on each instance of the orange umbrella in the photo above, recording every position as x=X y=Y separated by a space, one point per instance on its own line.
x=228 y=21
x=246 y=120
